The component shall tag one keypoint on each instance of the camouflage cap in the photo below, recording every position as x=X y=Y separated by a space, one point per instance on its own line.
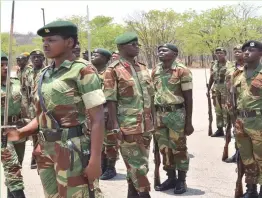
x=21 y=56
x=4 y=56
x=238 y=47
x=169 y=46
x=104 y=52
x=218 y=49
x=37 y=52
x=253 y=44
x=63 y=28
x=126 y=38
x=26 y=53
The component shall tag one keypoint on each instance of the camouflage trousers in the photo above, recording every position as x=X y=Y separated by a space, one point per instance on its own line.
x=249 y=142
x=172 y=140
x=219 y=102
x=110 y=146
x=12 y=168
x=24 y=106
x=135 y=152
x=61 y=169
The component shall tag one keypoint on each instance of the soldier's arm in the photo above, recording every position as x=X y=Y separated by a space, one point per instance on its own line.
x=92 y=95
x=110 y=91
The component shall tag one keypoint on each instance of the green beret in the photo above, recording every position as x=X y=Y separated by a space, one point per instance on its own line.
x=63 y=28
x=126 y=38
x=169 y=46
x=220 y=49
x=253 y=44
x=104 y=52
x=37 y=52
x=3 y=56
x=238 y=47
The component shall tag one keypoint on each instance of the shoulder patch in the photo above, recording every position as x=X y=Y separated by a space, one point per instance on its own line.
x=115 y=63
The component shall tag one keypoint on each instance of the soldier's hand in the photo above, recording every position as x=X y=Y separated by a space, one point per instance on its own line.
x=12 y=134
x=189 y=129
x=5 y=155
x=93 y=171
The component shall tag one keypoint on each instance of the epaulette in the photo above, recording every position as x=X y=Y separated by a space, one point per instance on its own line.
x=181 y=65
x=115 y=63
x=81 y=60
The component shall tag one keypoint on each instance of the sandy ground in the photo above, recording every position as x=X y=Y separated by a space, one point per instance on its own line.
x=208 y=176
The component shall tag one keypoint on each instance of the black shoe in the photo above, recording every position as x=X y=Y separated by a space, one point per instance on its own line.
x=169 y=183
x=144 y=195
x=181 y=186
x=251 y=191
x=9 y=194
x=232 y=159
x=18 y=194
x=109 y=173
x=33 y=163
x=104 y=164
x=219 y=132
x=131 y=191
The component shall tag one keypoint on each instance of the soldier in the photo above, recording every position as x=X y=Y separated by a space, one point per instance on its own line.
x=173 y=103
x=9 y=156
x=129 y=90
x=85 y=55
x=115 y=55
x=37 y=58
x=65 y=91
x=77 y=50
x=217 y=76
x=237 y=65
x=248 y=89
x=100 y=58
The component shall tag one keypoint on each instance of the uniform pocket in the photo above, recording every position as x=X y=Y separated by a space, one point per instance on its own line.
x=256 y=86
x=126 y=88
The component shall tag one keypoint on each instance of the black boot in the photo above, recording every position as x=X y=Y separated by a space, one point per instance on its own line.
x=9 y=194
x=131 y=191
x=18 y=194
x=232 y=159
x=144 y=195
x=251 y=191
x=103 y=164
x=33 y=163
x=169 y=183
x=110 y=171
x=219 y=132
x=260 y=192
x=181 y=183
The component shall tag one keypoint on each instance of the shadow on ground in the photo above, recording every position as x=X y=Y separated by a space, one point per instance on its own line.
x=190 y=192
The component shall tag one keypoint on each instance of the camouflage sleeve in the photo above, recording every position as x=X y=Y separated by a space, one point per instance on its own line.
x=89 y=86
x=27 y=77
x=110 y=85
x=186 y=80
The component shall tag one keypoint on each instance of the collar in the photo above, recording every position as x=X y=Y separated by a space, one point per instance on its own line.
x=67 y=64
x=126 y=63
x=173 y=66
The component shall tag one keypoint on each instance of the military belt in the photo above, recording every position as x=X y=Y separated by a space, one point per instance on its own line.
x=169 y=108
x=249 y=114
x=220 y=81
x=52 y=135
x=11 y=119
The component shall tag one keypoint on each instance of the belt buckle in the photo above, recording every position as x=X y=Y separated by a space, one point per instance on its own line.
x=42 y=136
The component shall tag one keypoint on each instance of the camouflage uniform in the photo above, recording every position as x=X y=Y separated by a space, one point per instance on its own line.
x=219 y=92
x=68 y=91
x=12 y=166
x=248 y=123
x=131 y=87
x=170 y=124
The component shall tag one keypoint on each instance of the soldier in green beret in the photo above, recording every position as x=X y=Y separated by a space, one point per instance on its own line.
x=173 y=103
x=217 y=77
x=12 y=163
x=99 y=59
x=77 y=50
x=129 y=91
x=64 y=93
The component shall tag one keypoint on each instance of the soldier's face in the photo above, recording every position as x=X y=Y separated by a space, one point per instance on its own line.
x=165 y=54
x=56 y=46
x=37 y=60
x=131 y=49
x=221 y=55
x=238 y=54
x=252 y=54
x=98 y=59
x=77 y=51
x=115 y=57
x=4 y=64
x=21 y=62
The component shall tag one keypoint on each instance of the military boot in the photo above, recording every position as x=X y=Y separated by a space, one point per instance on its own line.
x=251 y=191
x=33 y=163
x=9 y=194
x=144 y=195
x=169 y=183
x=219 y=132
x=18 y=194
x=181 y=183
x=232 y=159
x=131 y=191
x=103 y=164
x=260 y=192
x=110 y=171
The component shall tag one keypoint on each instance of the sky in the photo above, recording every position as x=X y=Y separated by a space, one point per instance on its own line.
x=29 y=18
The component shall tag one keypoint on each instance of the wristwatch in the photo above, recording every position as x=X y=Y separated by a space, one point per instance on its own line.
x=115 y=130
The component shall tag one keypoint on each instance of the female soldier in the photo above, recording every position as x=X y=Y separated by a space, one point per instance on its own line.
x=64 y=93
x=9 y=155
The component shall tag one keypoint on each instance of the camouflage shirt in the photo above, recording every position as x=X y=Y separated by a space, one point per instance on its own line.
x=131 y=87
x=68 y=91
x=24 y=77
x=248 y=90
x=15 y=98
x=170 y=84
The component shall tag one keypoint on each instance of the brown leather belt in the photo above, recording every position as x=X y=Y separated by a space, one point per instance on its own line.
x=169 y=108
x=52 y=135
x=249 y=114
x=11 y=119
